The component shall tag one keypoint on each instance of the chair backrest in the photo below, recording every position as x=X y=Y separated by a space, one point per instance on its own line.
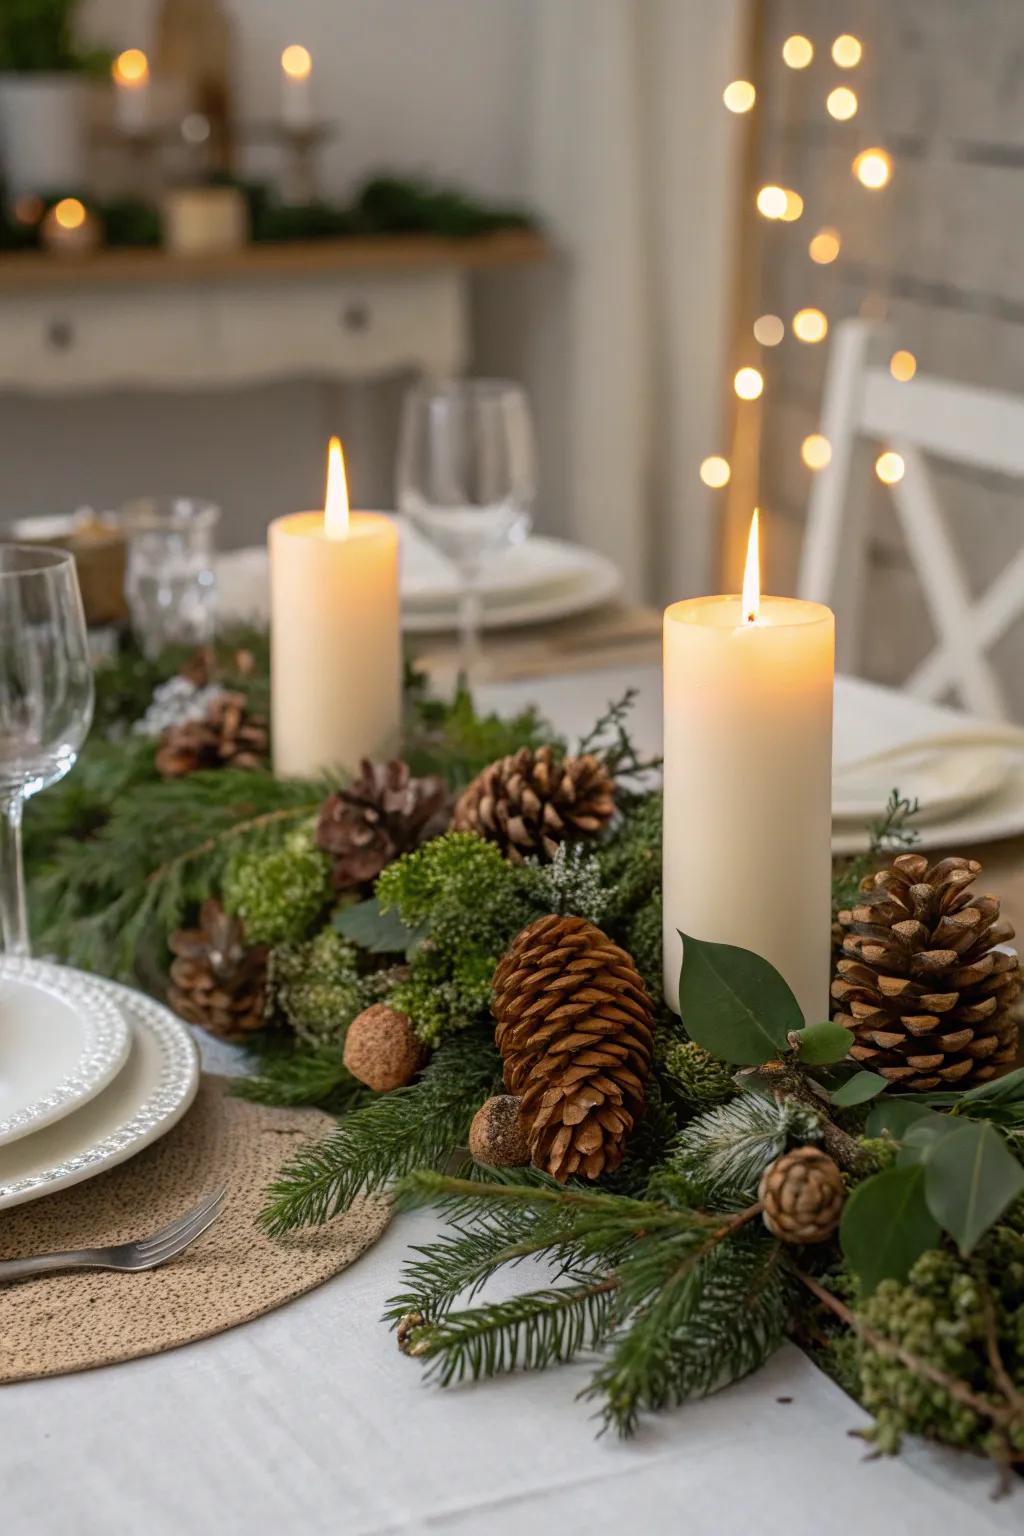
x=983 y=428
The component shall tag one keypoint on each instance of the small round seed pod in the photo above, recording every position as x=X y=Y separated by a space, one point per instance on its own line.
x=382 y=1049
x=497 y=1136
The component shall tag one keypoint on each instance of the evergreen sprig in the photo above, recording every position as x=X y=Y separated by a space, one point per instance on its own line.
x=290 y=1077
x=417 y=1126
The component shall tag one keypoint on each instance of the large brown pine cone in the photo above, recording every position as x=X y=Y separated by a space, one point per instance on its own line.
x=802 y=1195
x=226 y=737
x=574 y=1032
x=920 y=983
x=217 y=979
x=382 y=813
x=532 y=801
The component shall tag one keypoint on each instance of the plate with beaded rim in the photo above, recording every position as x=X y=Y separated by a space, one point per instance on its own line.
x=63 y=1038
x=143 y=1102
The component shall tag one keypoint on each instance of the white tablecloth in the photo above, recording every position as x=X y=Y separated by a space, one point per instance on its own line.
x=309 y=1421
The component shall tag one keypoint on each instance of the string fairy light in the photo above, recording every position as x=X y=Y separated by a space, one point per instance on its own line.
x=873 y=168
x=797 y=51
x=739 y=96
x=769 y=330
x=794 y=206
x=841 y=103
x=847 y=51
x=810 y=325
x=748 y=383
x=816 y=451
x=715 y=471
x=772 y=202
x=825 y=247
x=890 y=468
x=903 y=366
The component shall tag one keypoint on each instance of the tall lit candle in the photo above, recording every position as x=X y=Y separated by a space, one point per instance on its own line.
x=131 y=91
x=297 y=88
x=335 y=634
x=748 y=770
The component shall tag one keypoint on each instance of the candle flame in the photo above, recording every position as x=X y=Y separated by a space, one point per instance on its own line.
x=297 y=62
x=131 y=68
x=752 y=575
x=336 y=501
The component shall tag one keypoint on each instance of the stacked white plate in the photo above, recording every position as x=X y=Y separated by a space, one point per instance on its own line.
x=90 y=1073
x=531 y=583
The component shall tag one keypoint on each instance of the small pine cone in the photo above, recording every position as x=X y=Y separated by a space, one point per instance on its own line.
x=574 y=1028
x=531 y=802
x=226 y=737
x=802 y=1195
x=218 y=981
x=381 y=814
x=382 y=1049
x=498 y=1136
x=921 y=982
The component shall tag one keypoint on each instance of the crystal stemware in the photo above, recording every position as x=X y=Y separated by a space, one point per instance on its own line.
x=467 y=479
x=46 y=699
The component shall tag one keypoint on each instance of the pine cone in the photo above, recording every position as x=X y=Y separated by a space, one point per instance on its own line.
x=920 y=982
x=383 y=813
x=532 y=801
x=802 y=1195
x=226 y=737
x=574 y=1032
x=217 y=980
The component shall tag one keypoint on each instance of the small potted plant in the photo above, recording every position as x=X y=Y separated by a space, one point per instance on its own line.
x=43 y=84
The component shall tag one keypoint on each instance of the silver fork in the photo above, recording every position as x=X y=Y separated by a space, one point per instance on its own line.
x=147 y=1253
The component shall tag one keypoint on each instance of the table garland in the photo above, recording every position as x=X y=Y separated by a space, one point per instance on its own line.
x=459 y=953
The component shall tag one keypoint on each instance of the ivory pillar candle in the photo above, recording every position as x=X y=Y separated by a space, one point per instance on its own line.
x=297 y=88
x=335 y=664
x=748 y=783
x=131 y=91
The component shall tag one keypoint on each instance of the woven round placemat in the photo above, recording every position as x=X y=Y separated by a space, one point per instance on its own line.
x=70 y=1322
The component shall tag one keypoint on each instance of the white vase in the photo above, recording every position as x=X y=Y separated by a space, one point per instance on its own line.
x=43 y=132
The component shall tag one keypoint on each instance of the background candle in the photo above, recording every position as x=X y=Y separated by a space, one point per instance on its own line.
x=335 y=635
x=748 y=785
x=131 y=91
x=296 y=87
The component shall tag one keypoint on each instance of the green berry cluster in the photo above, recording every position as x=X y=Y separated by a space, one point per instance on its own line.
x=940 y=1317
x=279 y=893
x=316 y=987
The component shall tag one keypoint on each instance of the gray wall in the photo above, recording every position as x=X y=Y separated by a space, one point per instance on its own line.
x=941 y=85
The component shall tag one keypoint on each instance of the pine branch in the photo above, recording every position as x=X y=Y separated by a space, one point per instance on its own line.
x=527 y=1332
x=726 y=1149
x=374 y=1145
x=292 y=1076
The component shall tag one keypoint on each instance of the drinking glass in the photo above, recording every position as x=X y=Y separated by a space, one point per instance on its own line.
x=170 y=582
x=467 y=479
x=46 y=695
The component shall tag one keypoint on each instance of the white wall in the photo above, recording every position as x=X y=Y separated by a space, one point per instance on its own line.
x=432 y=86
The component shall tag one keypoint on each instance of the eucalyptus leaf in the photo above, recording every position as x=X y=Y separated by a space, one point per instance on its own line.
x=819 y=1045
x=971 y=1176
x=1001 y=1090
x=734 y=1003
x=886 y=1226
x=859 y=1089
x=382 y=933
x=895 y=1115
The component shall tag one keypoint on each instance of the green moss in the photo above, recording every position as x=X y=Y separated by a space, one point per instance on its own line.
x=280 y=894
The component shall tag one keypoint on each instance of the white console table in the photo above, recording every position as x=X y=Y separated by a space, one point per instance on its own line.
x=343 y=310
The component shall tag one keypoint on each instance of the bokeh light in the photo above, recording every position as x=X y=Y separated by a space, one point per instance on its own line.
x=296 y=61
x=847 y=51
x=797 y=51
x=873 y=168
x=794 y=206
x=739 y=96
x=810 y=325
x=130 y=67
x=903 y=366
x=889 y=467
x=772 y=201
x=715 y=471
x=825 y=246
x=841 y=103
x=748 y=383
x=769 y=330
x=70 y=213
x=816 y=451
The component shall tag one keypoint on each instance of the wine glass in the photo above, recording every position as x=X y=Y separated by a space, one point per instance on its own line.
x=170 y=581
x=46 y=697
x=466 y=480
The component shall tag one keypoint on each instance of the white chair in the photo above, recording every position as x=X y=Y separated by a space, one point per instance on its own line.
x=979 y=427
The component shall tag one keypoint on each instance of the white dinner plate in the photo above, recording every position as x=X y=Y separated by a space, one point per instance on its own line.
x=62 y=1039
x=539 y=580
x=147 y=1097
x=943 y=781
x=1001 y=815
